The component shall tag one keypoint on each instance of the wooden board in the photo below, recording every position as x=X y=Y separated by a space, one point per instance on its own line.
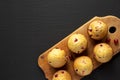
x=109 y=20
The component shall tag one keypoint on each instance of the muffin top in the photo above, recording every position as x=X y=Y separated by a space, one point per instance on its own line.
x=83 y=65
x=103 y=52
x=97 y=30
x=61 y=75
x=57 y=58
x=77 y=43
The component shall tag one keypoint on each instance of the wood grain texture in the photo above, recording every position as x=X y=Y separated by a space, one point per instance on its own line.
x=109 y=20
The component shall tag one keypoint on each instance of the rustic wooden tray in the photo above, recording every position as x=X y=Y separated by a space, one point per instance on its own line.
x=111 y=39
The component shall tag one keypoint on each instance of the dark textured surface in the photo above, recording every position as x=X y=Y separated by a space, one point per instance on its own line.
x=29 y=27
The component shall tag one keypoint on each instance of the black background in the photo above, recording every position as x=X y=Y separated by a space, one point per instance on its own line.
x=29 y=27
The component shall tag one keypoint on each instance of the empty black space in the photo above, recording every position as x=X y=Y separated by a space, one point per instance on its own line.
x=30 y=27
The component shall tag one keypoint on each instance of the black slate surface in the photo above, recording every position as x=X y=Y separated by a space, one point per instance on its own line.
x=29 y=27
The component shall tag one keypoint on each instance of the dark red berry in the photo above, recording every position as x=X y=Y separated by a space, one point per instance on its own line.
x=82 y=47
x=56 y=75
x=107 y=40
x=83 y=72
x=75 y=40
x=94 y=55
x=76 y=70
x=90 y=30
x=70 y=57
x=42 y=57
x=62 y=72
x=101 y=45
x=115 y=41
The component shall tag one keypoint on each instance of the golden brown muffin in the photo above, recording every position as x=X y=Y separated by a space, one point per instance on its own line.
x=77 y=43
x=97 y=30
x=57 y=58
x=61 y=75
x=103 y=52
x=83 y=65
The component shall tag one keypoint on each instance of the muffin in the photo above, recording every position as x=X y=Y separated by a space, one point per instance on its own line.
x=83 y=65
x=61 y=75
x=103 y=52
x=77 y=43
x=57 y=58
x=97 y=30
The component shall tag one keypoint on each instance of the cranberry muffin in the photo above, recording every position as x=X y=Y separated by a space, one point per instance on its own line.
x=57 y=58
x=61 y=75
x=83 y=65
x=97 y=30
x=77 y=43
x=103 y=52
